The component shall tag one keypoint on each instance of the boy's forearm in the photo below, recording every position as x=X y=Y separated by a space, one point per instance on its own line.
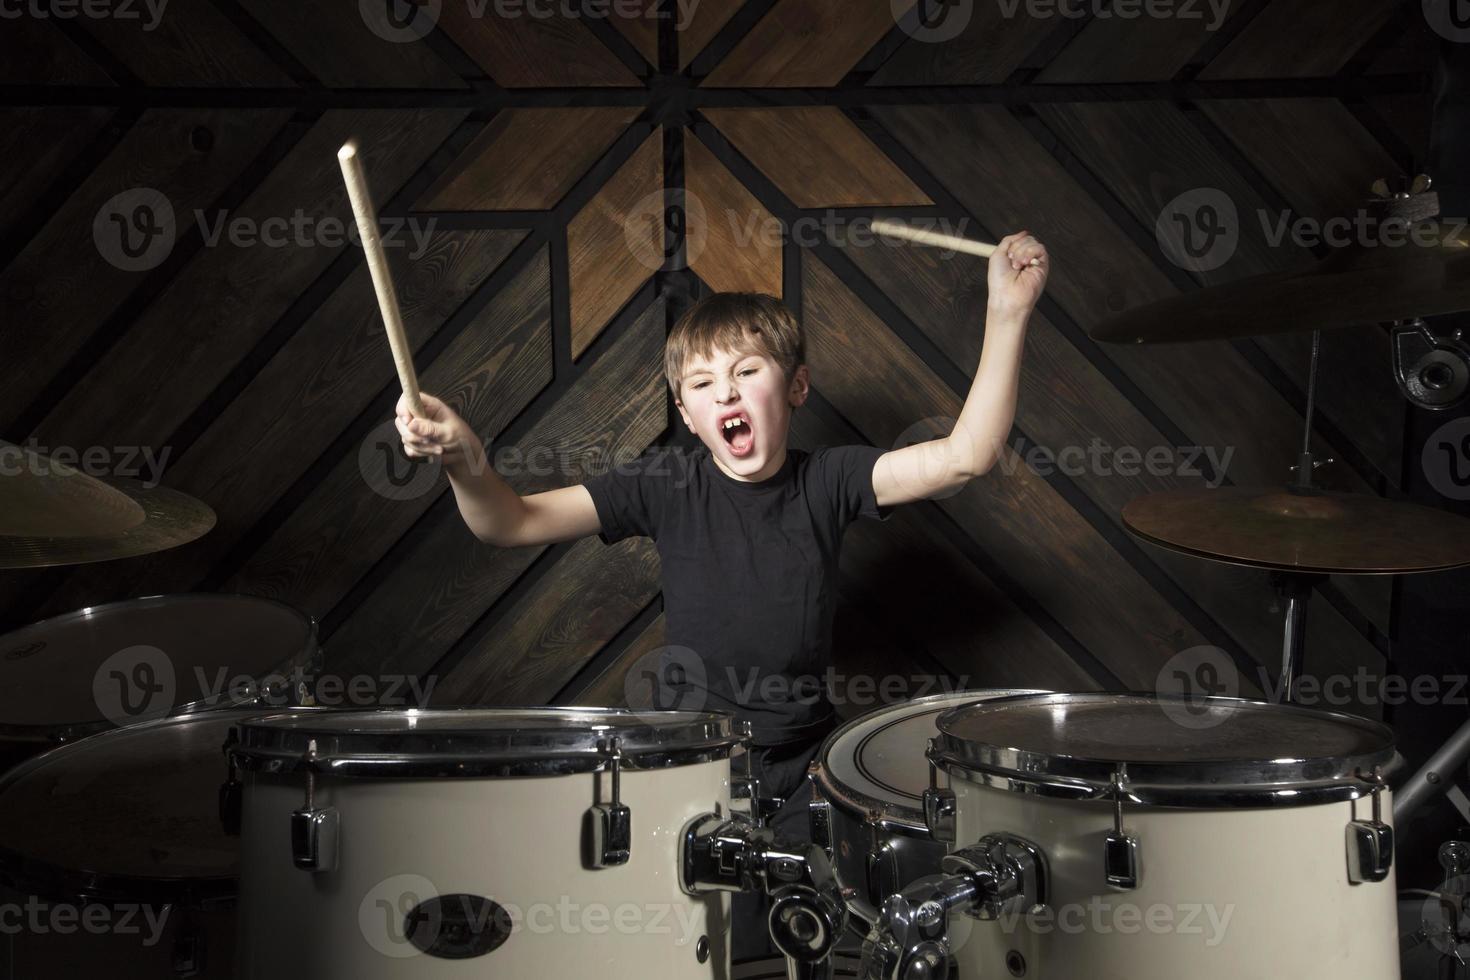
x=985 y=421
x=490 y=506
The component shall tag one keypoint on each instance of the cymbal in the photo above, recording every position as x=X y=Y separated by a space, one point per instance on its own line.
x=1355 y=287
x=1317 y=532
x=52 y=514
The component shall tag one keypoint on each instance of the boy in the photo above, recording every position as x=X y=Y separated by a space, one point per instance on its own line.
x=749 y=532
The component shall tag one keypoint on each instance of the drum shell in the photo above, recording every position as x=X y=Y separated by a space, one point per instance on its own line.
x=873 y=856
x=516 y=840
x=1279 y=873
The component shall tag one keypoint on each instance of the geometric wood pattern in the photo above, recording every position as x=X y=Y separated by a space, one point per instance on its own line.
x=812 y=43
x=738 y=254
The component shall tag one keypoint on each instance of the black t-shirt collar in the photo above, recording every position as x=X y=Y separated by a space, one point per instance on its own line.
x=748 y=486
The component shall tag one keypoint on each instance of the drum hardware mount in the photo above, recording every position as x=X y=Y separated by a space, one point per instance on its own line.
x=736 y=855
x=748 y=787
x=1370 y=842
x=612 y=822
x=313 y=829
x=999 y=875
x=939 y=803
x=1431 y=369
x=1120 y=850
x=231 y=791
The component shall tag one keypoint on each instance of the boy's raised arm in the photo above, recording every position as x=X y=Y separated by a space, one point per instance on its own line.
x=491 y=508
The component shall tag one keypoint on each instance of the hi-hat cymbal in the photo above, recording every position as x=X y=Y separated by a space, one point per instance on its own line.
x=52 y=514
x=1320 y=531
x=1356 y=287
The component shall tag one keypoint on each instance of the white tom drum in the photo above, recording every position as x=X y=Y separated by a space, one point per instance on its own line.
x=867 y=809
x=1115 y=836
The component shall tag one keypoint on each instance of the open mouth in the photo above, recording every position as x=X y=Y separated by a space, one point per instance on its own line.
x=738 y=436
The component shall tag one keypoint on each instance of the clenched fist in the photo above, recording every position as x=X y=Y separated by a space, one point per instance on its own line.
x=438 y=432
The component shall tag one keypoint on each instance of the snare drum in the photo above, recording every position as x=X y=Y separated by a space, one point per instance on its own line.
x=1116 y=836
x=141 y=659
x=459 y=843
x=867 y=807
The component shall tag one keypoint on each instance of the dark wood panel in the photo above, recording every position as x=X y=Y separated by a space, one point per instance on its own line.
x=35 y=145
x=527 y=159
x=319 y=381
x=699 y=22
x=188 y=44
x=232 y=294
x=806 y=43
x=447 y=581
x=534 y=52
x=337 y=44
x=837 y=165
x=738 y=241
x=1300 y=39
x=37 y=52
x=1140 y=48
x=988 y=49
x=488 y=374
x=609 y=689
x=1014 y=515
x=606 y=267
x=60 y=288
x=641 y=27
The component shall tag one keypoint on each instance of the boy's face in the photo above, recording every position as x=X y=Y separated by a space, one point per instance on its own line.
x=751 y=387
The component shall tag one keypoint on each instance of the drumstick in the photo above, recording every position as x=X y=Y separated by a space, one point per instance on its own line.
x=377 y=260
x=883 y=226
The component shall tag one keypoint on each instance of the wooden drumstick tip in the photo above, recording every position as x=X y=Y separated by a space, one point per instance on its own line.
x=348 y=151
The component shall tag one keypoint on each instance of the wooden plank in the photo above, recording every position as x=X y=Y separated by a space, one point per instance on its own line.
x=36 y=144
x=1010 y=512
x=1272 y=44
x=488 y=374
x=443 y=585
x=838 y=165
x=741 y=244
x=37 y=51
x=1140 y=48
x=321 y=379
x=807 y=43
x=991 y=45
x=610 y=688
x=640 y=25
x=1410 y=117
x=1064 y=401
x=61 y=288
x=699 y=22
x=230 y=295
x=616 y=242
x=1414 y=50
x=533 y=51
x=340 y=48
x=993 y=166
x=187 y=44
x=527 y=159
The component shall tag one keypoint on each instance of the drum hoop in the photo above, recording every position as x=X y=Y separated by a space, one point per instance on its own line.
x=1233 y=783
x=53 y=881
x=265 y=745
x=308 y=659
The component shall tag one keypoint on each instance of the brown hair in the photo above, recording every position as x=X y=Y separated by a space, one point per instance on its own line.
x=744 y=322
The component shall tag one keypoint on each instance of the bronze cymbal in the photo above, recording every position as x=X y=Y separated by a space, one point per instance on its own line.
x=1320 y=531
x=1355 y=287
x=52 y=514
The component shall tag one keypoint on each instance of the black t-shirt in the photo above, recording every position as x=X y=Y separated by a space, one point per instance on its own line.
x=749 y=572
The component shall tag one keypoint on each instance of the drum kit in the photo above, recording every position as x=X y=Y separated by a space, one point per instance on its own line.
x=974 y=834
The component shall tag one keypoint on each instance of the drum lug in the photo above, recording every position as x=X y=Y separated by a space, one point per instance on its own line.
x=1370 y=842
x=939 y=804
x=1120 y=851
x=612 y=822
x=313 y=829
x=819 y=817
x=230 y=799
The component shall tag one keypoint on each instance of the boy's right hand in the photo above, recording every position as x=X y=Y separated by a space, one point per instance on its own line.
x=438 y=432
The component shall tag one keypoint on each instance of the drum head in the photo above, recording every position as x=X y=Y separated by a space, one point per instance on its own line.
x=876 y=761
x=482 y=742
x=142 y=659
x=130 y=813
x=1211 y=744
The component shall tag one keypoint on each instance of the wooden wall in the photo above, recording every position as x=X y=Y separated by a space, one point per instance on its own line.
x=538 y=157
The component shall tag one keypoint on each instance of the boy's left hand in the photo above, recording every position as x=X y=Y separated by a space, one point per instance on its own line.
x=1015 y=284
